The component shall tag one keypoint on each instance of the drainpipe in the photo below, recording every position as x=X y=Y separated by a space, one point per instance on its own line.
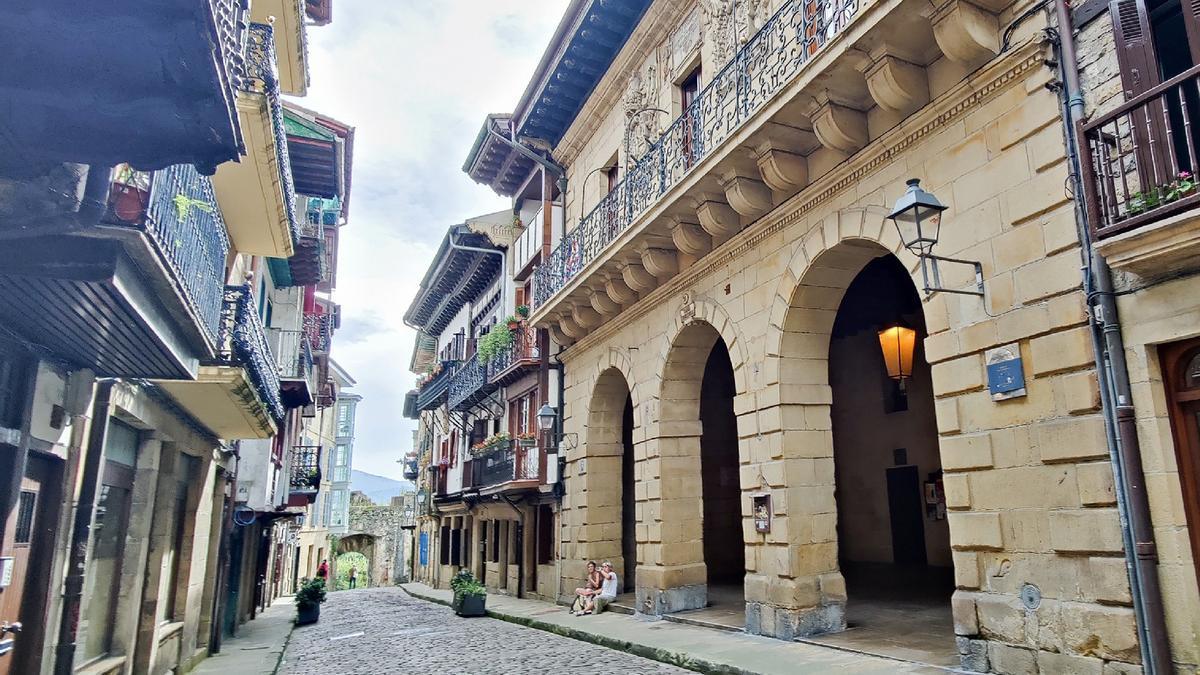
x=85 y=506
x=1133 y=505
x=520 y=544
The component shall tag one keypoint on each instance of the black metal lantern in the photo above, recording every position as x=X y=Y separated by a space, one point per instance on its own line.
x=546 y=416
x=918 y=218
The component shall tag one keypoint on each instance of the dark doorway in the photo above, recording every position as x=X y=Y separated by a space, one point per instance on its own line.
x=628 y=500
x=724 y=554
x=904 y=507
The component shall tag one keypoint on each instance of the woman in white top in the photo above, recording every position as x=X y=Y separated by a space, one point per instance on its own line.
x=608 y=590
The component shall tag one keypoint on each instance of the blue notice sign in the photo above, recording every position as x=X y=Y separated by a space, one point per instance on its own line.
x=424 y=548
x=1005 y=377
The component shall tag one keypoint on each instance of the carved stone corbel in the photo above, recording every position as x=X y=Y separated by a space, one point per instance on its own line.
x=660 y=262
x=638 y=278
x=585 y=316
x=839 y=127
x=896 y=84
x=619 y=291
x=602 y=303
x=719 y=220
x=689 y=237
x=560 y=336
x=781 y=170
x=570 y=328
x=966 y=33
x=747 y=194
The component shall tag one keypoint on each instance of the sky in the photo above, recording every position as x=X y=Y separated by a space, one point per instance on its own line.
x=415 y=78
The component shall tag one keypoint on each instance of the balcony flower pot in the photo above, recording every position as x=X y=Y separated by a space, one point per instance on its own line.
x=513 y=324
x=129 y=202
x=527 y=442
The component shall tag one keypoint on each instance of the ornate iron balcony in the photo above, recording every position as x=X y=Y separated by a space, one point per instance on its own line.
x=469 y=385
x=319 y=330
x=177 y=210
x=262 y=78
x=305 y=475
x=243 y=342
x=751 y=78
x=433 y=391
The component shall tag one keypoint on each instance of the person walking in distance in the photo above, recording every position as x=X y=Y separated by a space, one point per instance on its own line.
x=353 y=577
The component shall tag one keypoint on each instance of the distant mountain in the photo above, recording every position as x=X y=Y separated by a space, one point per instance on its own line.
x=379 y=488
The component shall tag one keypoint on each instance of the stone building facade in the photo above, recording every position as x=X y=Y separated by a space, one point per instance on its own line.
x=726 y=271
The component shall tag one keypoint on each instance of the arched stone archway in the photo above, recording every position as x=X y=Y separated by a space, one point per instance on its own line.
x=365 y=544
x=696 y=472
x=606 y=501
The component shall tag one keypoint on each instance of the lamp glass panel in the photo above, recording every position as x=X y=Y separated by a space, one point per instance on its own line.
x=897 y=344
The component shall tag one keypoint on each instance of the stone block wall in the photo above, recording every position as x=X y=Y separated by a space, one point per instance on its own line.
x=1027 y=482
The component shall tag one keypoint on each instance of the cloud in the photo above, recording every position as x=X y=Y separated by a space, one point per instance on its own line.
x=415 y=77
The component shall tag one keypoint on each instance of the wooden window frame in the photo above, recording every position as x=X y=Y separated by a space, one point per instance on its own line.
x=1183 y=405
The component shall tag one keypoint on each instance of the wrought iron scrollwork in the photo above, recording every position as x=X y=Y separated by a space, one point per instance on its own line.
x=756 y=73
x=262 y=78
x=243 y=342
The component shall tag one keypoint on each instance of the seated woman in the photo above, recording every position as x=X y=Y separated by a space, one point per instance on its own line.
x=608 y=591
x=591 y=588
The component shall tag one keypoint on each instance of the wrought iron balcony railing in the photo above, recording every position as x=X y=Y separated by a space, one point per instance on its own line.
x=1140 y=160
x=767 y=63
x=262 y=78
x=433 y=392
x=177 y=210
x=319 y=330
x=506 y=464
x=294 y=356
x=468 y=384
x=524 y=351
x=411 y=472
x=243 y=342
x=305 y=474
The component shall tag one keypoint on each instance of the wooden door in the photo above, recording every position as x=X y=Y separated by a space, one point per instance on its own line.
x=29 y=536
x=907 y=515
x=1181 y=375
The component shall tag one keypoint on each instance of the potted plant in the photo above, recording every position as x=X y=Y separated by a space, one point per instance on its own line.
x=523 y=311
x=513 y=322
x=470 y=596
x=497 y=340
x=527 y=439
x=130 y=194
x=308 y=601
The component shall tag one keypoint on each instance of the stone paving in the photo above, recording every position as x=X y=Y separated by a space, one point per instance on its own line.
x=384 y=630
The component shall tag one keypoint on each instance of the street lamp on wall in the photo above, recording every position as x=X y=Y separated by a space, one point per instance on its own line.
x=545 y=417
x=918 y=219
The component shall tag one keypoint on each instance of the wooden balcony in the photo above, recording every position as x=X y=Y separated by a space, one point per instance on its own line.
x=1140 y=163
x=816 y=84
x=510 y=467
x=522 y=356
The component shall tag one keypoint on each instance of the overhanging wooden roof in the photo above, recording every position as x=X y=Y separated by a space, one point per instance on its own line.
x=494 y=163
x=454 y=278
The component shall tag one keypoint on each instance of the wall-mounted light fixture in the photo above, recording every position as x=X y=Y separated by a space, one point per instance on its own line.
x=897 y=344
x=918 y=219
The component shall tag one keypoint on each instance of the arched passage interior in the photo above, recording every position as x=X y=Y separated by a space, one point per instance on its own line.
x=892 y=532
x=359 y=543
x=700 y=487
x=610 y=484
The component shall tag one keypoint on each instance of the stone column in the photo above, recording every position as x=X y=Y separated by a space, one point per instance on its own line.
x=128 y=627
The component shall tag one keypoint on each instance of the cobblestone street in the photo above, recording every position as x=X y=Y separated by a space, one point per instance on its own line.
x=383 y=630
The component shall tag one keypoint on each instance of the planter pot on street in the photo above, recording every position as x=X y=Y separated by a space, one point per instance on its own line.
x=470 y=605
x=307 y=615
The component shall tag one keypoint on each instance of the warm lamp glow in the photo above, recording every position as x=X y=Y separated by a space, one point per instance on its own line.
x=897 y=344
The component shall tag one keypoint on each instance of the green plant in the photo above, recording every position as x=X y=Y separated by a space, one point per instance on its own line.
x=461 y=580
x=1140 y=202
x=311 y=594
x=523 y=311
x=184 y=204
x=474 y=588
x=497 y=340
